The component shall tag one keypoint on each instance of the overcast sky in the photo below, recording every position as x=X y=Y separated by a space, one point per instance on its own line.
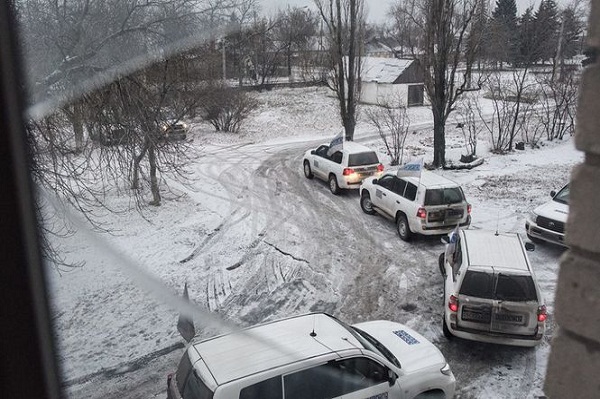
x=377 y=9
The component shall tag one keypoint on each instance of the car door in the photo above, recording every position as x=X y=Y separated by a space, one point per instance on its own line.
x=515 y=306
x=319 y=157
x=353 y=378
x=384 y=194
x=476 y=300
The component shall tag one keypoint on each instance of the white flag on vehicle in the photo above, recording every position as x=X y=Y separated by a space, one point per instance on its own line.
x=337 y=144
x=412 y=168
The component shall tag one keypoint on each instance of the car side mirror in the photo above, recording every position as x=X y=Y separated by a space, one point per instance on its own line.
x=445 y=240
x=552 y=193
x=375 y=181
x=529 y=246
x=313 y=152
x=392 y=377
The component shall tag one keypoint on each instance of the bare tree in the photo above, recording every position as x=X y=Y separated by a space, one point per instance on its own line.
x=225 y=107
x=294 y=31
x=558 y=105
x=443 y=27
x=393 y=124
x=344 y=21
x=469 y=110
x=512 y=98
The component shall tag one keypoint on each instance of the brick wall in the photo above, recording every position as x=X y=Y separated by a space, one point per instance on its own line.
x=574 y=365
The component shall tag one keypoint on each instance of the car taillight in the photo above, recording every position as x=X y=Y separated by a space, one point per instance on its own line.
x=541 y=313
x=347 y=171
x=380 y=167
x=453 y=303
x=469 y=209
x=422 y=213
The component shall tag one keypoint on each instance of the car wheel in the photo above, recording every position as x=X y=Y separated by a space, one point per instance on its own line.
x=445 y=329
x=333 y=185
x=403 y=228
x=441 y=264
x=307 y=171
x=366 y=204
x=534 y=239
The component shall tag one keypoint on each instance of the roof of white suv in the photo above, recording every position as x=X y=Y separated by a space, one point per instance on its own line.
x=431 y=180
x=503 y=250
x=259 y=348
x=350 y=147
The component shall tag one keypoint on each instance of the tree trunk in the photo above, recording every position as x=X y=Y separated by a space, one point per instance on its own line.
x=135 y=180
x=439 y=141
x=153 y=179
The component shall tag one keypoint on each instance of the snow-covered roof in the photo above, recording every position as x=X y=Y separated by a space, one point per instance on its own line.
x=383 y=70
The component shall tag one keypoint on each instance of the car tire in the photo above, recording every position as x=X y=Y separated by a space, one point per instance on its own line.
x=333 y=185
x=308 y=171
x=366 y=204
x=441 y=265
x=534 y=239
x=403 y=228
x=445 y=329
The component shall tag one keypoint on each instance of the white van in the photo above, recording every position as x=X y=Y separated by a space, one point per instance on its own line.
x=313 y=356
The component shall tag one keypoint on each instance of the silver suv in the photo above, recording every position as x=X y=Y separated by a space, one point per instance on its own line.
x=490 y=291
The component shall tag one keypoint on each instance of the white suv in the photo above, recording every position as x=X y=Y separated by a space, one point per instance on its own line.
x=547 y=222
x=343 y=169
x=313 y=356
x=490 y=291
x=427 y=205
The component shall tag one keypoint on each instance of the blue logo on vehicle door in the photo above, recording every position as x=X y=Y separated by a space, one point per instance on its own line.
x=406 y=337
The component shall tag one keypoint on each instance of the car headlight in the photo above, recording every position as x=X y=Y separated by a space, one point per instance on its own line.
x=184 y=125
x=533 y=216
x=446 y=369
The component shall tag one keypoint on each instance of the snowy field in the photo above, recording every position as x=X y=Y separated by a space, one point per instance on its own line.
x=256 y=241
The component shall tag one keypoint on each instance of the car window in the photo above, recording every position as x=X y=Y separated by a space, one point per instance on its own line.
x=562 y=196
x=515 y=288
x=337 y=157
x=363 y=158
x=411 y=192
x=322 y=151
x=399 y=186
x=336 y=378
x=194 y=388
x=185 y=366
x=444 y=196
x=386 y=181
x=478 y=284
x=268 y=389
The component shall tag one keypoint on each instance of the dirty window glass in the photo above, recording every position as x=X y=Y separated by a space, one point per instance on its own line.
x=515 y=288
x=363 y=158
x=478 y=284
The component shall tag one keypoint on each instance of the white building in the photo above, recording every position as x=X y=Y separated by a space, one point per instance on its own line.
x=391 y=81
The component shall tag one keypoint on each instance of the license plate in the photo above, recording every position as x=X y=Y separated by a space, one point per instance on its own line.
x=454 y=213
x=476 y=316
x=508 y=318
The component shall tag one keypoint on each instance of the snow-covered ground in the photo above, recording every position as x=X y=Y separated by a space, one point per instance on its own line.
x=255 y=240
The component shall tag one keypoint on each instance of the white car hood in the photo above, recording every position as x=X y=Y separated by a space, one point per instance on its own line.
x=413 y=351
x=553 y=210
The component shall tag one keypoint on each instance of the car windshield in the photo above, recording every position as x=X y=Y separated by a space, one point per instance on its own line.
x=363 y=158
x=376 y=346
x=563 y=195
x=444 y=196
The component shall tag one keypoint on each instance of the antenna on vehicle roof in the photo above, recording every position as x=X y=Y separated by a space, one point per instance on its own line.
x=313 y=333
